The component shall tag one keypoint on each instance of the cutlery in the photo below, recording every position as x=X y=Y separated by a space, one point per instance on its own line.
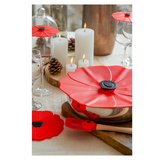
x=88 y=125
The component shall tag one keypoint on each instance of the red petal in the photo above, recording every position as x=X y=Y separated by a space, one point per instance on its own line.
x=124 y=86
x=38 y=134
x=46 y=115
x=41 y=115
x=35 y=116
x=53 y=127
x=34 y=133
x=91 y=75
x=70 y=86
x=119 y=73
x=123 y=100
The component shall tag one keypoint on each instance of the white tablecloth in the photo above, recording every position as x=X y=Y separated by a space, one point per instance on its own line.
x=69 y=141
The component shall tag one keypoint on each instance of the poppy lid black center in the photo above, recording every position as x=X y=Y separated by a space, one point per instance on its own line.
x=41 y=28
x=108 y=85
x=127 y=14
x=37 y=124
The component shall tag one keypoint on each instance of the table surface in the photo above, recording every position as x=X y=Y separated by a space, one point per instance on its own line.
x=69 y=141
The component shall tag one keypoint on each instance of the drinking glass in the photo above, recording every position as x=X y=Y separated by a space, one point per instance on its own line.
x=121 y=39
x=127 y=33
x=36 y=73
x=42 y=90
x=127 y=63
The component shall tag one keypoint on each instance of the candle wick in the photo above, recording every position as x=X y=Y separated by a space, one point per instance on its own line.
x=71 y=65
x=83 y=60
x=84 y=30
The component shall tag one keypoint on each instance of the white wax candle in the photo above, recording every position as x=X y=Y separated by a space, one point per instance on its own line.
x=83 y=63
x=84 y=44
x=61 y=50
x=70 y=68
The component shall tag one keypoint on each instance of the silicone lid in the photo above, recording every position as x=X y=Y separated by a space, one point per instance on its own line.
x=45 y=124
x=123 y=16
x=83 y=86
x=43 y=31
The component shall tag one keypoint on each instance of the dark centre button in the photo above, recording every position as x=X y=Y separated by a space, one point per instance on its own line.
x=37 y=124
x=127 y=14
x=108 y=85
x=41 y=28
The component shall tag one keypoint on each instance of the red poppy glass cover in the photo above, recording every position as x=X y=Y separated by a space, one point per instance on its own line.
x=43 y=31
x=123 y=16
x=45 y=124
x=87 y=86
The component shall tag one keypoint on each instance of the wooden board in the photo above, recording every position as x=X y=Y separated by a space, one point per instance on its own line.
x=120 y=141
x=54 y=79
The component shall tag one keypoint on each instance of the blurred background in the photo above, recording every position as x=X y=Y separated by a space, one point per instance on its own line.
x=74 y=13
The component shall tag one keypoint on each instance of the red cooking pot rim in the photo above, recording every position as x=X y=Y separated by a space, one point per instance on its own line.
x=99 y=86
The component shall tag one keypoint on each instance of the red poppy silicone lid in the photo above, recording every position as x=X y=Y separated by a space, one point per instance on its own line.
x=43 y=31
x=123 y=16
x=99 y=86
x=45 y=124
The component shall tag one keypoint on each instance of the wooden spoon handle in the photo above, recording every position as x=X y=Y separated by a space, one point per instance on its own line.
x=113 y=128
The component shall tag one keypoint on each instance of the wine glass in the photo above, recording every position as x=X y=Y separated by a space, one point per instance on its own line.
x=36 y=73
x=46 y=55
x=121 y=39
x=128 y=56
x=127 y=33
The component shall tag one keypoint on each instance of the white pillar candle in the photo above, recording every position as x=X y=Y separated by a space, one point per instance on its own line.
x=61 y=50
x=83 y=62
x=71 y=67
x=84 y=44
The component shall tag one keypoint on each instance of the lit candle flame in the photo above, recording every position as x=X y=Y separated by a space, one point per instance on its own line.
x=71 y=61
x=83 y=57
x=85 y=26
x=59 y=37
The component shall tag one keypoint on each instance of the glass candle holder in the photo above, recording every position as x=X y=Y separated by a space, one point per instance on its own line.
x=43 y=43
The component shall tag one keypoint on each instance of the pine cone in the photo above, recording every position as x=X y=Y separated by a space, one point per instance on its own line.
x=71 y=44
x=55 y=66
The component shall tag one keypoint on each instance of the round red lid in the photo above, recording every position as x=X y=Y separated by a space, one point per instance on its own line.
x=123 y=16
x=99 y=86
x=45 y=124
x=43 y=31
